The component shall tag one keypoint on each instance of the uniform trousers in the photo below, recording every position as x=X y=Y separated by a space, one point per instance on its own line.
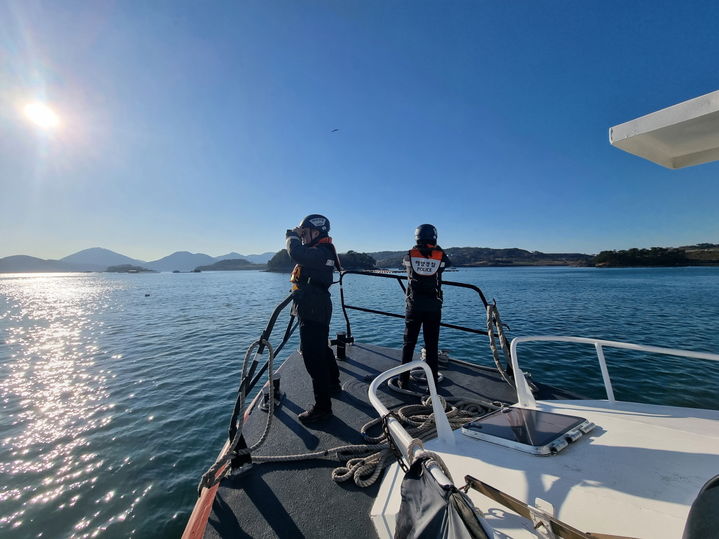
x=429 y=322
x=319 y=361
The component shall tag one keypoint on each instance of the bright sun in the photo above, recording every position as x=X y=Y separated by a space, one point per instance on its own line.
x=41 y=115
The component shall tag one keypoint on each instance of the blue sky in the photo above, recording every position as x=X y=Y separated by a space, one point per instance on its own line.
x=207 y=126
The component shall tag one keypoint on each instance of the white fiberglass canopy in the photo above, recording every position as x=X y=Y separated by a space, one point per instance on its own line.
x=679 y=136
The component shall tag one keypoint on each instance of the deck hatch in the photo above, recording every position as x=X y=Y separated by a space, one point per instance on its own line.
x=529 y=430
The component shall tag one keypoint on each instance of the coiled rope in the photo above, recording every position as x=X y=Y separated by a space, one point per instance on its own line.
x=370 y=459
x=494 y=324
x=212 y=476
x=364 y=462
x=474 y=405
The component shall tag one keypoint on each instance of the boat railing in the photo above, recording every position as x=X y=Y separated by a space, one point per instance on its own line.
x=401 y=278
x=524 y=394
x=252 y=375
x=407 y=445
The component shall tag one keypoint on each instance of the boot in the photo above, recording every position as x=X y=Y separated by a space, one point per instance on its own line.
x=315 y=414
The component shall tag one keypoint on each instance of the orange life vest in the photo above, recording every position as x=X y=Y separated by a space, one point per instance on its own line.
x=425 y=266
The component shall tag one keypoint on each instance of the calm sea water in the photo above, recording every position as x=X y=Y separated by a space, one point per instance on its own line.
x=116 y=390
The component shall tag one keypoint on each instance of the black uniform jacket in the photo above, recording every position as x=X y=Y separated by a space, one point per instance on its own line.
x=312 y=278
x=425 y=264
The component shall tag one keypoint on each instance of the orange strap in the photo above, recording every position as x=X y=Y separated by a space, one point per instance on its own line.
x=435 y=254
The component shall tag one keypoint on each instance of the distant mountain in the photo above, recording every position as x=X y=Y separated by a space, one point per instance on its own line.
x=262 y=258
x=180 y=260
x=255 y=259
x=99 y=259
x=230 y=256
x=30 y=264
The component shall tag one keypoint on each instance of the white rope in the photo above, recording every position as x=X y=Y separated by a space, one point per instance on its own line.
x=434 y=457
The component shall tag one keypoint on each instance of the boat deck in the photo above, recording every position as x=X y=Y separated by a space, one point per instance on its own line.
x=300 y=499
x=635 y=475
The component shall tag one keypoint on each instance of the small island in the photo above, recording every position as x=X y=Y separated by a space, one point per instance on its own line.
x=280 y=262
x=357 y=261
x=230 y=264
x=128 y=268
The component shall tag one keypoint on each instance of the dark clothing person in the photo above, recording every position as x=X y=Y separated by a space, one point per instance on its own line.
x=425 y=263
x=429 y=322
x=311 y=278
x=319 y=361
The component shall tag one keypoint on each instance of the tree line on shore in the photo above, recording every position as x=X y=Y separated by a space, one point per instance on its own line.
x=703 y=254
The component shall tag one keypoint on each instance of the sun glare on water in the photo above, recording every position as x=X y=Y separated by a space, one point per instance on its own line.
x=41 y=115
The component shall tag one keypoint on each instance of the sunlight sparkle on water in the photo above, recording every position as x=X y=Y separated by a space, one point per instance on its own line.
x=52 y=395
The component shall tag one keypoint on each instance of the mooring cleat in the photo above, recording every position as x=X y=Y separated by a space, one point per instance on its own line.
x=265 y=403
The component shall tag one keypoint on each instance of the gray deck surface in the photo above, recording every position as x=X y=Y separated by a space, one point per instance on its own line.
x=300 y=499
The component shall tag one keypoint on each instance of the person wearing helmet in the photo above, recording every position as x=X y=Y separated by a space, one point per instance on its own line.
x=425 y=263
x=311 y=248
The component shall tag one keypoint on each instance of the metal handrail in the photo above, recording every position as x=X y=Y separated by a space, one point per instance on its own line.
x=401 y=437
x=250 y=379
x=524 y=394
x=400 y=278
